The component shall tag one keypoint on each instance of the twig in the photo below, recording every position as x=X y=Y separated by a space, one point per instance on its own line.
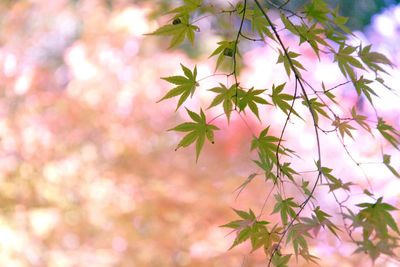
x=302 y=206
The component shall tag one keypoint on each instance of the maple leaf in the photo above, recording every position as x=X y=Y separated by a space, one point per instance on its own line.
x=386 y=161
x=376 y=217
x=389 y=133
x=188 y=7
x=178 y=30
x=346 y=61
x=225 y=49
x=286 y=62
x=316 y=107
x=360 y=119
x=285 y=207
x=281 y=100
x=198 y=131
x=186 y=85
x=280 y=260
x=267 y=145
x=226 y=97
x=373 y=59
x=361 y=86
x=258 y=24
x=344 y=127
x=250 y=99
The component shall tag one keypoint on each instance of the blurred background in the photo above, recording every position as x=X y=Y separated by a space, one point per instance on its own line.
x=88 y=172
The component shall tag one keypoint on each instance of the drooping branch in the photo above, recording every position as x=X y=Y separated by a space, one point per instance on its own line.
x=315 y=123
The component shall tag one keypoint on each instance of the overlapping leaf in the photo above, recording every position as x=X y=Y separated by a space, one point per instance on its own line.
x=344 y=127
x=313 y=35
x=259 y=24
x=250 y=99
x=267 y=165
x=297 y=234
x=288 y=171
x=333 y=182
x=267 y=145
x=317 y=10
x=179 y=30
x=285 y=207
x=188 y=7
x=373 y=60
x=286 y=62
x=282 y=100
x=225 y=49
x=248 y=227
x=361 y=86
x=226 y=96
x=316 y=107
x=360 y=119
x=319 y=219
x=279 y=260
x=346 y=61
x=376 y=217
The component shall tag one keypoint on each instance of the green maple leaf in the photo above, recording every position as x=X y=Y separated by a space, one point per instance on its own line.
x=386 y=161
x=318 y=10
x=188 y=7
x=373 y=60
x=316 y=107
x=259 y=235
x=262 y=237
x=267 y=165
x=280 y=260
x=290 y=26
x=376 y=217
x=198 y=131
x=297 y=234
x=243 y=227
x=282 y=100
x=313 y=36
x=250 y=99
x=323 y=220
x=361 y=86
x=389 y=133
x=288 y=171
x=267 y=145
x=178 y=31
x=333 y=182
x=259 y=24
x=344 y=127
x=286 y=62
x=340 y=21
x=226 y=97
x=360 y=119
x=247 y=218
x=346 y=61
x=304 y=186
x=225 y=49
x=186 y=85
x=285 y=207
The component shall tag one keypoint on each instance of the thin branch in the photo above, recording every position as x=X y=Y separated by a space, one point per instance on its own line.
x=251 y=39
x=278 y=166
x=314 y=117
x=235 y=50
